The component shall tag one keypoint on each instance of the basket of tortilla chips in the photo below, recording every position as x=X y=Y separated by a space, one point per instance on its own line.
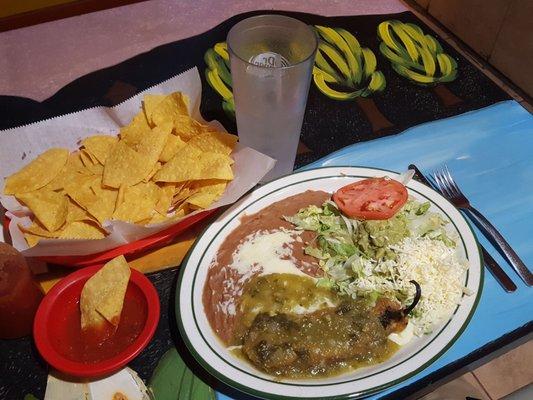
x=161 y=171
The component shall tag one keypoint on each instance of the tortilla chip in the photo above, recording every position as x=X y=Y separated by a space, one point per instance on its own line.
x=134 y=132
x=201 y=200
x=150 y=104
x=172 y=146
x=186 y=127
x=129 y=166
x=208 y=192
x=165 y=199
x=90 y=318
x=125 y=166
x=183 y=209
x=37 y=229
x=32 y=239
x=104 y=205
x=82 y=230
x=103 y=294
x=177 y=215
x=87 y=158
x=37 y=173
x=58 y=183
x=50 y=208
x=181 y=197
x=156 y=168
x=160 y=109
x=99 y=146
x=193 y=164
x=178 y=187
x=139 y=202
x=215 y=142
x=156 y=219
x=75 y=163
x=96 y=169
x=77 y=213
x=70 y=172
x=92 y=165
x=81 y=190
x=153 y=142
x=71 y=230
x=120 y=195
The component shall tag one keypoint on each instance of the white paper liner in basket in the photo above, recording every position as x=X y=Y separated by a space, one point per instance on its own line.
x=22 y=144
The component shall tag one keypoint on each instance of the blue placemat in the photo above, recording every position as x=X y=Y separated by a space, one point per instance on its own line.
x=489 y=152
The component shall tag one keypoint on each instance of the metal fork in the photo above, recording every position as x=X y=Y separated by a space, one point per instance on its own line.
x=447 y=186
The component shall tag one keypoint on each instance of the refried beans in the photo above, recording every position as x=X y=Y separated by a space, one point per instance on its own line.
x=224 y=284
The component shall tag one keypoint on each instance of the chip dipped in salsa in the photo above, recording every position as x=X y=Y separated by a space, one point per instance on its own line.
x=103 y=342
x=108 y=318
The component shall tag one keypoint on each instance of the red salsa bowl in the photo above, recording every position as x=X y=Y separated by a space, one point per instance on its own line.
x=59 y=338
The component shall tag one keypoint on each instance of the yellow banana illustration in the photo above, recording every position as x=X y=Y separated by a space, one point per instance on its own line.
x=218 y=76
x=337 y=59
x=415 y=55
x=370 y=62
x=377 y=81
x=433 y=45
x=221 y=49
x=448 y=65
x=326 y=77
x=322 y=64
x=216 y=83
x=343 y=69
x=427 y=61
x=357 y=51
x=346 y=71
x=335 y=39
x=320 y=82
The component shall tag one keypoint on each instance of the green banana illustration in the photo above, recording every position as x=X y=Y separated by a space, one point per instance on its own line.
x=414 y=55
x=218 y=75
x=346 y=71
x=343 y=69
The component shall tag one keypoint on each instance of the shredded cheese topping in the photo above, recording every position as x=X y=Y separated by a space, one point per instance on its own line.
x=433 y=265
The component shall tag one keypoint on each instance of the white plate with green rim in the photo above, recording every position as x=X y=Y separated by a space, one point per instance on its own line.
x=212 y=354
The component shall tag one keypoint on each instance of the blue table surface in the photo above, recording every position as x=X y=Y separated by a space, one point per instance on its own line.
x=490 y=154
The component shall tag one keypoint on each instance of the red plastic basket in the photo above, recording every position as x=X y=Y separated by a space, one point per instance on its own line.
x=158 y=239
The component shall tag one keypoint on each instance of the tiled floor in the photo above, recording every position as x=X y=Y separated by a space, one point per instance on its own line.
x=494 y=380
x=458 y=389
x=508 y=372
x=472 y=57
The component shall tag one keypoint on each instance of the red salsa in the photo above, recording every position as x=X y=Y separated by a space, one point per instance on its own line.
x=93 y=346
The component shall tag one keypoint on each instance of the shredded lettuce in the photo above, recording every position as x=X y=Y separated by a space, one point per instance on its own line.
x=358 y=257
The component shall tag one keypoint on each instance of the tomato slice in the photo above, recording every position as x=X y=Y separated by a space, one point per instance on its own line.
x=373 y=198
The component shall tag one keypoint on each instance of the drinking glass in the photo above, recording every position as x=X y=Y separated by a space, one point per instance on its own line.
x=271 y=60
